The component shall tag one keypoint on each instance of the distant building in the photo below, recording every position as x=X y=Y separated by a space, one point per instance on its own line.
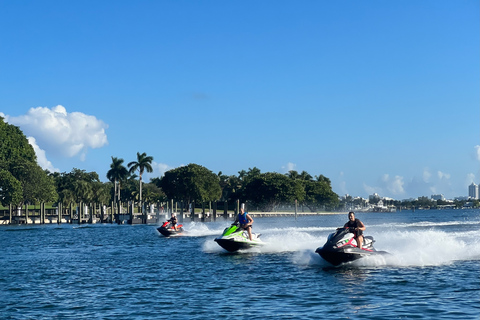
x=473 y=191
x=438 y=197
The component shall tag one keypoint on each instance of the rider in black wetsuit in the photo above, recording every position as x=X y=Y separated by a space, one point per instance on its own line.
x=356 y=227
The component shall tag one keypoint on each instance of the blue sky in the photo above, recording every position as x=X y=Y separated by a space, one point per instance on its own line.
x=379 y=96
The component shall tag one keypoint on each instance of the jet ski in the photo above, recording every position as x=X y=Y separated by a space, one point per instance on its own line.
x=341 y=247
x=167 y=230
x=235 y=238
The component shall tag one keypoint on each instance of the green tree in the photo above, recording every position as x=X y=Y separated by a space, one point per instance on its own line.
x=143 y=163
x=37 y=185
x=319 y=195
x=117 y=174
x=76 y=186
x=152 y=193
x=18 y=158
x=268 y=190
x=14 y=146
x=10 y=189
x=191 y=183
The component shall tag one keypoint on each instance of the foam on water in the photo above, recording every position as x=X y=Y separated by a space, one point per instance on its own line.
x=429 y=247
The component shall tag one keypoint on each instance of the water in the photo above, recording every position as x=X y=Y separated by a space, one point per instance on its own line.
x=132 y=272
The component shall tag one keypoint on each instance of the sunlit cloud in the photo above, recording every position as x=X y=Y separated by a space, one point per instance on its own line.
x=394 y=185
x=477 y=152
x=159 y=170
x=469 y=179
x=441 y=175
x=289 y=167
x=41 y=157
x=61 y=133
x=426 y=175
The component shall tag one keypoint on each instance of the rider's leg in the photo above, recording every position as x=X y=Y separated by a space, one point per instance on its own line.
x=360 y=241
x=249 y=229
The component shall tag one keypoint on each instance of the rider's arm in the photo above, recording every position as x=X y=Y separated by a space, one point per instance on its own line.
x=250 y=220
x=361 y=226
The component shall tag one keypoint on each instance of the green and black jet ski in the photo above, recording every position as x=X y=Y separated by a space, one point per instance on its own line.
x=235 y=238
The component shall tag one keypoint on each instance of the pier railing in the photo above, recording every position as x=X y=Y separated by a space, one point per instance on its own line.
x=129 y=213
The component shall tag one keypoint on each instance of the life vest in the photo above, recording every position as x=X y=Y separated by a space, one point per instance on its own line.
x=242 y=218
x=354 y=224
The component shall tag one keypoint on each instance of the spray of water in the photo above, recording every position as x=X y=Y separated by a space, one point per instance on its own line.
x=426 y=247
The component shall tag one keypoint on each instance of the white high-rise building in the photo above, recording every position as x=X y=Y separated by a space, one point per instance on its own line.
x=473 y=191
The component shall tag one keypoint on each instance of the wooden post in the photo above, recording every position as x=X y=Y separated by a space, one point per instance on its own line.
x=210 y=210
x=237 y=207
x=80 y=212
x=215 y=211
x=10 y=210
x=112 y=214
x=296 y=209
x=59 y=218
x=192 y=214
x=42 y=221
x=225 y=210
x=180 y=217
x=91 y=211
x=26 y=213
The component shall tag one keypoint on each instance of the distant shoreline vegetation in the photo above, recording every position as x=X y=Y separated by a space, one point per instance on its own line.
x=23 y=181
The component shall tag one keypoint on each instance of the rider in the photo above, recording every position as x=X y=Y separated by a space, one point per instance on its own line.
x=173 y=221
x=245 y=222
x=356 y=227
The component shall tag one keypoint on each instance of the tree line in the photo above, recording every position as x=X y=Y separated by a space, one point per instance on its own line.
x=23 y=181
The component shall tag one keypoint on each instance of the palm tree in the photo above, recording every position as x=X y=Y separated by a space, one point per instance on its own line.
x=116 y=174
x=143 y=162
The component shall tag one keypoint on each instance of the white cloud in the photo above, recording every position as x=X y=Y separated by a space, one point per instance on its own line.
x=159 y=170
x=341 y=184
x=477 y=152
x=426 y=175
x=441 y=175
x=62 y=133
x=289 y=167
x=371 y=190
x=395 y=186
x=41 y=157
x=469 y=179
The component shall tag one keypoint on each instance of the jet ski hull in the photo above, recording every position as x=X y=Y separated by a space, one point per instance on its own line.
x=337 y=257
x=341 y=247
x=166 y=231
x=232 y=246
x=235 y=238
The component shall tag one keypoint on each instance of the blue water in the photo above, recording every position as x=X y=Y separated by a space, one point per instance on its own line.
x=132 y=272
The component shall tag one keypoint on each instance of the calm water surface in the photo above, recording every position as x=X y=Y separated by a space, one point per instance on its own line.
x=132 y=272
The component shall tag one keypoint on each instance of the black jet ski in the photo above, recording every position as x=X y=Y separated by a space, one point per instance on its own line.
x=341 y=247
x=167 y=230
x=235 y=238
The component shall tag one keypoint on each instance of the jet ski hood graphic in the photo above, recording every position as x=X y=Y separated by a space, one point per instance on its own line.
x=235 y=238
x=342 y=247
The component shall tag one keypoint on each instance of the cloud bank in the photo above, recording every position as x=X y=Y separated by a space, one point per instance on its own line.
x=56 y=132
x=41 y=157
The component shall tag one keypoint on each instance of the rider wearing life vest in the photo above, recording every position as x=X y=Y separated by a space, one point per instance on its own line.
x=356 y=227
x=245 y=222
x=173 y=222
